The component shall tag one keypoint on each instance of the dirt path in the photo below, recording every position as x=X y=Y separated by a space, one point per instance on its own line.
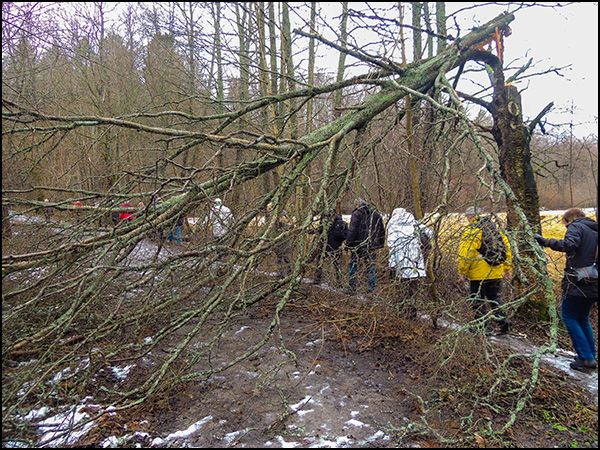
x=331 y=395
x=309 y=386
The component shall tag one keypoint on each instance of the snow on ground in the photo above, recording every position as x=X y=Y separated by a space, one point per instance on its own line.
x=319 y=393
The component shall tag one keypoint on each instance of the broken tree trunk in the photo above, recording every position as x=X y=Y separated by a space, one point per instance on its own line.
x=513 y=137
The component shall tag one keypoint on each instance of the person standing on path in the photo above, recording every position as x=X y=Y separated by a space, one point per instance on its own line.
x=48 y=210
x=336 y=236
x=485 y=279
x=580 y=245
x=175 y=233
x=366 y=235
x=406 y=257
x=221 y=219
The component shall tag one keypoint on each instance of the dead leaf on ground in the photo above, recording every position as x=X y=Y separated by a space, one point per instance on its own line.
x=481 y=442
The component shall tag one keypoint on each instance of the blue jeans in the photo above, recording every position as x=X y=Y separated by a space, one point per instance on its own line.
x=368 y=257
x=178 y=235
x=576 y=317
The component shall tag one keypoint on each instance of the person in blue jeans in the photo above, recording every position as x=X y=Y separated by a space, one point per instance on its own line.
x=580 y=245
x=366 y=235
x=176 y=233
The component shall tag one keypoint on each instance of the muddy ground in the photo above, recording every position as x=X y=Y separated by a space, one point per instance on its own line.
x=348 y=371
x=365 y=384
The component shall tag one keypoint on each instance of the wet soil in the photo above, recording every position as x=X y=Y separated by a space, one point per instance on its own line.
x=320 y=383
x=350 y=371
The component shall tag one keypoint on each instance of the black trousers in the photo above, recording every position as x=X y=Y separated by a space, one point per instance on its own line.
x=482 y=290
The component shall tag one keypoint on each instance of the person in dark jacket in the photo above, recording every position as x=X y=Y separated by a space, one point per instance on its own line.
x=336 y=236
x=581 y=247
x=48 y=210
x=366 y=235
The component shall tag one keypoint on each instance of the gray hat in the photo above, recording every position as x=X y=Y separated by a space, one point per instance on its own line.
x=474 y=211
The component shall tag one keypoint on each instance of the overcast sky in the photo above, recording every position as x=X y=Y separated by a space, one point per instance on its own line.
x=554 y=37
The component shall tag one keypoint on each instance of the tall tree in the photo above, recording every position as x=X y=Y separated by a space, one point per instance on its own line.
x=217 y=64
x=412 y=108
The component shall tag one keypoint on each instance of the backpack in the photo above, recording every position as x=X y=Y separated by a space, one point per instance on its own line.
x=340 y=230
x=376 y=229
x=492 y=249
x=424 y=240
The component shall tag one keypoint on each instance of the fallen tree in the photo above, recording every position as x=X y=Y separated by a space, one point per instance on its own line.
x=84 y=275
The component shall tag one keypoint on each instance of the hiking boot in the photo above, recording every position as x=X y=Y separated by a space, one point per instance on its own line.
x=581 y=364
x=590 y=363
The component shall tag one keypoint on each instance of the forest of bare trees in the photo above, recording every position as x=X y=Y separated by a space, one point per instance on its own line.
x=166 y=106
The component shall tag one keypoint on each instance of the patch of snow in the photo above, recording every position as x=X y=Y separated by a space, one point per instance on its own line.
x=341 y=441
x=250 y=374
x=110 y=441
x=378 y=435
x=304 y=412
x=357 y=423
x=189 y=430
x=27 y=363
x=121 y=372
x=229 y=437
x=241 y=330
x=313 y=371
x=15 y=444
x=25 y=388
x=315 y=342
x=156 y=442
x=61 y=436
x=36 y=413
x=285 y=444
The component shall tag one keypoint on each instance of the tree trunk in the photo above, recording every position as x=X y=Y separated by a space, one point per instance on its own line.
x=216 y=12
x=513 y=137
x=414 y=106
x=337 y=102
x=243 y=29
x=304 y=192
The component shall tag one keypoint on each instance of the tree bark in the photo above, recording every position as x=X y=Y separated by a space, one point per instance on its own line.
x=513 y=137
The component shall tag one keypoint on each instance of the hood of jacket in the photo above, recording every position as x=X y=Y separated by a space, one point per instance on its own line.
x=364 y=209
x=405 y=253
x=401 y=220
x=588 y=222
x=400 y=216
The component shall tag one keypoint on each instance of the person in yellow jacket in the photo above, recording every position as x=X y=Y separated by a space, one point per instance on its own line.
x=485 y=280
